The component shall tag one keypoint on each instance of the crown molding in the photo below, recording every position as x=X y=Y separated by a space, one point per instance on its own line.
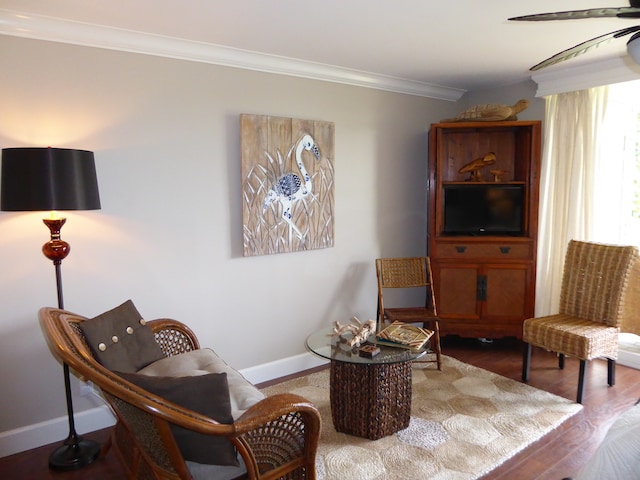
x=77 y=33
x=595 y=74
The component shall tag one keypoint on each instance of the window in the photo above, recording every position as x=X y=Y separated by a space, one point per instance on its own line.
x=617 y=182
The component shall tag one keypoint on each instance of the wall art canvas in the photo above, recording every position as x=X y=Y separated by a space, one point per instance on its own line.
x=287 y=184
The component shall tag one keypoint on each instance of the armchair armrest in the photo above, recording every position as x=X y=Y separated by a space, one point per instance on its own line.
x=279 y=434
x=276 y=436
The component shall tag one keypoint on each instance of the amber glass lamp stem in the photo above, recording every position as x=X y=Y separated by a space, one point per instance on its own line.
x=56 y=250
x=74 y=452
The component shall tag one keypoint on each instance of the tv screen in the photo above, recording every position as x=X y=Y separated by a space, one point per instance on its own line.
x=483 y=209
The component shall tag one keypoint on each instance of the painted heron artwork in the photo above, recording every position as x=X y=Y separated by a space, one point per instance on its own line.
x=288 y=184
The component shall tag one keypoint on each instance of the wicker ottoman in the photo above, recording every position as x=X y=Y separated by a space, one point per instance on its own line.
x=370 y=396
x=370 y=400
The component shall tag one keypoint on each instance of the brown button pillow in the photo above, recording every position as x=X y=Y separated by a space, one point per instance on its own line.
x=120 y=340
x=206 y=394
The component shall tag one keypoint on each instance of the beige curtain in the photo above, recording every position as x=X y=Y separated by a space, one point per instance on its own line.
x=568 y=176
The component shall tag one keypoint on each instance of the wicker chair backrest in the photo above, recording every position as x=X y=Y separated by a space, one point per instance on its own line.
x=402 y=272
x=405 y=272
x=596 y=279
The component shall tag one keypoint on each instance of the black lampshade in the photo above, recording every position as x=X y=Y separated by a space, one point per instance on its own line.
x=35 y=179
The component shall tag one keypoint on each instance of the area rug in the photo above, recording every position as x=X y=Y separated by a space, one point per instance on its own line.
x=465 y=421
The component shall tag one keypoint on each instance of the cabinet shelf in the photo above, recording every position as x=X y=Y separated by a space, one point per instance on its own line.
x=458 y=182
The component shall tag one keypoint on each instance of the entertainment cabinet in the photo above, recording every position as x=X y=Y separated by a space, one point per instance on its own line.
x=484 y=267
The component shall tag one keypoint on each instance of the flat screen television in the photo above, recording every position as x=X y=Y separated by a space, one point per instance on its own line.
x=483 y=209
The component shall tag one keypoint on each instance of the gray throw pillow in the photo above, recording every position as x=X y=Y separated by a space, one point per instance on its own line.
x=120 y=339
x=206 y=394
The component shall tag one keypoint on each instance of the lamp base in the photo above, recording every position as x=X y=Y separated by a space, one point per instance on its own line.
x=74 y=455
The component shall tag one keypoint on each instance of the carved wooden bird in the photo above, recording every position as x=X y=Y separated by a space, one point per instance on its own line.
x=474 y=167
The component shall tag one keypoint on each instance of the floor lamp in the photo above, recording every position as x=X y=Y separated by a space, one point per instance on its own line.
x=51 y=179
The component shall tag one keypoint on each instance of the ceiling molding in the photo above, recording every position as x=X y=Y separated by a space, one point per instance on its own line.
x=595 y=74
x=77 y=33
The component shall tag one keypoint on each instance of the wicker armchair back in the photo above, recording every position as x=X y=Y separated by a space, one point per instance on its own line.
x=277 y=437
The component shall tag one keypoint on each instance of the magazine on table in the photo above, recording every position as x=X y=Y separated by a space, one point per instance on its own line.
x=404 y=335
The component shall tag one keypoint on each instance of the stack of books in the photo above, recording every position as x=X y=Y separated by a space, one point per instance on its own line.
x=404 y=335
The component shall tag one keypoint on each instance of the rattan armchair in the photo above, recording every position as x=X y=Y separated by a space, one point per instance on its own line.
x=409 y=273
x=277 y=437
x=600 y=292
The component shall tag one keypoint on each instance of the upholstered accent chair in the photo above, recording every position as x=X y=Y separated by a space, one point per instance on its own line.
x=600 y=292
x=271 y=437
x=409 y=273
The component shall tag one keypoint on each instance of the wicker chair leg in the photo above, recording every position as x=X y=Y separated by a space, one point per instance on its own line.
x=611 y=372
x=526 y=361
x=561 y=361
x=581 y=380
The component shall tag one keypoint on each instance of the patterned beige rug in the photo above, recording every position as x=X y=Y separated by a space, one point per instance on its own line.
x=465 y=422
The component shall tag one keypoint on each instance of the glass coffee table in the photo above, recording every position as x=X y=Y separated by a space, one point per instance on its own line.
x=370 y=397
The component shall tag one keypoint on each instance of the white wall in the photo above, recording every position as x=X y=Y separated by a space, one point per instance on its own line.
x=166 y=139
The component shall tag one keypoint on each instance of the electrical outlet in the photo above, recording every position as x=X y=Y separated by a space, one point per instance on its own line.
x=86 y=389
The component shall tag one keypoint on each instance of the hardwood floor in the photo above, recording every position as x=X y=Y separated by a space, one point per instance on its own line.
x=559 y=454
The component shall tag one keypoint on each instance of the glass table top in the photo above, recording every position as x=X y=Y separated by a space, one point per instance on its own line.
x=337 y=348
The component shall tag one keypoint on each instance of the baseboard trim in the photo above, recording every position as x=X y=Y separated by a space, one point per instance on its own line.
x=56 y=430
x=282 y=368
x=629 y=359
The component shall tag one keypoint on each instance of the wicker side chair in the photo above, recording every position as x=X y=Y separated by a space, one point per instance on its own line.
x=409 y=273
x=600 y=290
x=277 y=437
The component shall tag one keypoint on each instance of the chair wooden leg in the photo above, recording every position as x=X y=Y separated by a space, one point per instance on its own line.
x=611 y=372
x=581 y=380
x=561 y=361
x=526 y=361
x=436 y=328
x=435 y=342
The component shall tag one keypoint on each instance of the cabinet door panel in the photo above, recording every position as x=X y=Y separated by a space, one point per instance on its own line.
x=456 y=291
x=506 y=291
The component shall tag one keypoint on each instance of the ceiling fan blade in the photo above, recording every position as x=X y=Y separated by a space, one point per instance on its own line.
x=584 y=47
x=623 y=12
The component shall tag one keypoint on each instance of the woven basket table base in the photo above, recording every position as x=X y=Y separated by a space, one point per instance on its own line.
x=370 y=400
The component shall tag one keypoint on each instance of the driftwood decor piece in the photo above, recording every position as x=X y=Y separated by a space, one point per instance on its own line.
x=490 y=112
x=360 y=331
x=287 y=184
x=474 y=167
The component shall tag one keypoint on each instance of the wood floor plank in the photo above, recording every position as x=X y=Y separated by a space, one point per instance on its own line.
x=559 y=454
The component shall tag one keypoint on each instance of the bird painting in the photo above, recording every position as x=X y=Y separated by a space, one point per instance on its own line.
x=291 y=187
x=287 y=184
